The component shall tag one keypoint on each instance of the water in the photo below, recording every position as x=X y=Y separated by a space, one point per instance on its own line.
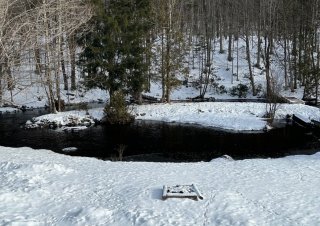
x=156 y=141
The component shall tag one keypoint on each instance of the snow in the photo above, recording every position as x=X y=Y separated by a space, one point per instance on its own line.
x=29 y=90
x=35 y=97
x=233 y=116
x=39 y=187
x=224 y=73
x=230 y=116
x=8 y=110
x=76 y=120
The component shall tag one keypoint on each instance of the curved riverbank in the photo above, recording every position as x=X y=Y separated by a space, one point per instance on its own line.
x=228 y=116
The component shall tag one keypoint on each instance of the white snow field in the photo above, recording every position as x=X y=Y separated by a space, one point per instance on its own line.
x=39 y=187
x=230 y=116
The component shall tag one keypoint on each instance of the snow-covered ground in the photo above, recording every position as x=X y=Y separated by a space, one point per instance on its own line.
x=32 y=97
x=39 y=187
x=229 y=116
x=8 y=110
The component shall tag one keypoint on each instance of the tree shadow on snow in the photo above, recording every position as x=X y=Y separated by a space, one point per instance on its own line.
x=156 y=193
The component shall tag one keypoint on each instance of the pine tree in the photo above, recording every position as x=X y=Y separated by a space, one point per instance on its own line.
x=114 y=54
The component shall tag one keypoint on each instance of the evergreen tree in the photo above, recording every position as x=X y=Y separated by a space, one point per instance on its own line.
x=114 y=53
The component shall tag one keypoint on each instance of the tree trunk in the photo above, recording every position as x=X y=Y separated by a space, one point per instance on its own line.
x=220 y=33
x=317 y=68
x=293 y=79
x=268 y=77
x=63 y=68
x=258 y=50
x=1 y=91
x=230 y=47
x=168 y=52
x=299 y=61
x=72 y=49
x=58 y=53
x=57 y=81
x=163 y=74
x=10 y=82
x=249 y=66
x=221 y=41
x=285 y=64
x=138 y=97
x=38 y=61
x=238 y=59
x=207 y=60
x=168 y=79
x=48 y=61
x=148 y=60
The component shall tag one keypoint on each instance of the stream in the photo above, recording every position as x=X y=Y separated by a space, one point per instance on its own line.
x=158 y=141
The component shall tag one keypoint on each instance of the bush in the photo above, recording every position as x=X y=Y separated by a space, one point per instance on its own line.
x=218 y=89
x=240 y=90
x=222 y=89
x=117 y=111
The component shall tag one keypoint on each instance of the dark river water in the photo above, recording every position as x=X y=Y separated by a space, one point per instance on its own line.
x=156 y=141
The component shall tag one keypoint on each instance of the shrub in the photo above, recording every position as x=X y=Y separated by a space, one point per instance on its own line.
x=240 y=90
x=117 y=111
x=222 y=89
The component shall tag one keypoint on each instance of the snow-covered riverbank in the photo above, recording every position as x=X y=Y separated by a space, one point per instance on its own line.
x=39 y=187
x=230 y=116
x=8 y=110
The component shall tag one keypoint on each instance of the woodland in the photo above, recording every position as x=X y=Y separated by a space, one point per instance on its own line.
x=123 y=45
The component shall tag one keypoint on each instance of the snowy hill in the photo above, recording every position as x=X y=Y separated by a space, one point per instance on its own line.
x=30 y=92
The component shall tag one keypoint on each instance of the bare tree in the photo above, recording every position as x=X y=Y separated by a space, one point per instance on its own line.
x=15 y=31
x=55 y=20
x=172 y=48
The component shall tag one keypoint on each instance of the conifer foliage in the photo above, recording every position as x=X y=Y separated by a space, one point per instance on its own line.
x=114 y=55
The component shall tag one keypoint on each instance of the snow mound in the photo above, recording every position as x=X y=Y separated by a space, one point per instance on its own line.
x=77 y=120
